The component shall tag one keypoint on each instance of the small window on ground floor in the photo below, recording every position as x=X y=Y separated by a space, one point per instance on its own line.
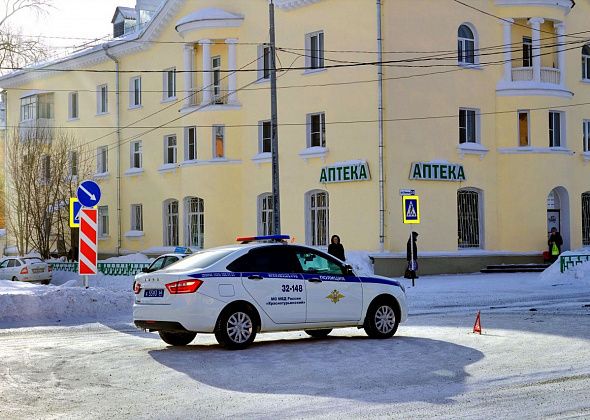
x=468 y=219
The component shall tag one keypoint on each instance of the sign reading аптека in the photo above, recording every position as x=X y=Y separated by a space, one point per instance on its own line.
x=345 y=172
x=437 y=171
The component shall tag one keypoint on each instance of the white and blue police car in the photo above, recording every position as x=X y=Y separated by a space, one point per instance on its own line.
x=264 y=284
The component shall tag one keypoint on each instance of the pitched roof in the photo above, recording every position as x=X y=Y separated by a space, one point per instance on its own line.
x=126 y=12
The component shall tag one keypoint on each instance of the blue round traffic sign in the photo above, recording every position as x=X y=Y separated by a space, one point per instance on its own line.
x=88 y=193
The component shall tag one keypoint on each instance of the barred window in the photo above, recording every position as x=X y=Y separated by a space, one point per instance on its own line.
x=318 y=215
x=195 y=223
x=171 y=223
x=586 y=219
x=468 y=219
x=265 y=214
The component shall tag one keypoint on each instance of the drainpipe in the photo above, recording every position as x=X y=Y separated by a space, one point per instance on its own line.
x=118 y=125
x=380 y=109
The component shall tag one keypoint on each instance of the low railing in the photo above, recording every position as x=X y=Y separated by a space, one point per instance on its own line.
x=522 y=74
x=108 y=269
x=569 y=261
x=550 y=75
x=525 y=74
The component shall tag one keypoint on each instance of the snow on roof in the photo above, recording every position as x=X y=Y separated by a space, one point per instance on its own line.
x=126 y=12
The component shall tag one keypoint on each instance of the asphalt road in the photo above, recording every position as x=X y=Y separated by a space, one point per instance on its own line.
x=527 y=364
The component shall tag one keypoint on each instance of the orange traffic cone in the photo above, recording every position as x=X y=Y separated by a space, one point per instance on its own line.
x=477 y=325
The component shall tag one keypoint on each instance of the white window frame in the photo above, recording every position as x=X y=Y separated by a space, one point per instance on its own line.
x=28 y=108
x=528 y=136
x=73 y=163
x=527 y=48
x=168 y=146
x=312 y=218
x=137 y=217
x=214 y=129
x=135 y=97
x=103 y=221
x=476 y=121
x=585 y=64
x=102 y=99
x=102 y=160
x=73 y=106
x=187 y=143
x=136 y=151
x=463 y=42
x=261 y=137
x=314 y=40
x=169 y=92
x=194 y=215
x=171 y=231
x=265 y=214
x=322 y=132
x=218 y=97
x=264 y=63
x=561 y=132
x=586 y=135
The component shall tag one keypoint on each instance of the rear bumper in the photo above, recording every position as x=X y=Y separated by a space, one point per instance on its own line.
x=160 y=326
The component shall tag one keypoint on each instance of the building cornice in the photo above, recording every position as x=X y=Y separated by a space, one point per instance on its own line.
x=294 y=4
x=565 y=5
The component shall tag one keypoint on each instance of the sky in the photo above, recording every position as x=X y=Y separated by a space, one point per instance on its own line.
x=70 y=18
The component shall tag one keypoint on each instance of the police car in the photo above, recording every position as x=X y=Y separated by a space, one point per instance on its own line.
x=264 y=285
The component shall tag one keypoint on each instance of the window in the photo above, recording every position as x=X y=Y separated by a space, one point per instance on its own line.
x=102 y=160
x=216 y=67
x=264 y=63
x=314 y=51
x=316 y=130
x=135 y=92
x=265 y=214
x=267 y=259
x=555 y=129
x=103 y=221
x=73 y=105
x=523 y=128
x=28 y=108
x=586 y=62
x=527 y=51
x=45 y=106
x=264 y=137
x=170 y=149
x=102 y=99
x=468 y=126
x=45 y=168
x=195 y=223
x=218 y=141
x=171 y=223
x=312 y=263
x=586 y=219
x=137 y=217
x=190 y=143
x=73 y=163
x=466 y=45
x=169 y=83
x=136 y=154
x=586 y=135
x=317 y=218
x=468 y=219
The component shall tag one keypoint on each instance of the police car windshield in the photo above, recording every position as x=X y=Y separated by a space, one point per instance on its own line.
x=201 y=259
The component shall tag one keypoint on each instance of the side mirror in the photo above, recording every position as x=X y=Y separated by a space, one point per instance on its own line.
x=348 y=270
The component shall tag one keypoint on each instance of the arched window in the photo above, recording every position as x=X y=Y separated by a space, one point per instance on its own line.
x=171 y=222
x=465 y=45
x=586 y=219
x=265 y=214
x=586 y=62
x=318 y=216
x=194 y=209
x=469 y=220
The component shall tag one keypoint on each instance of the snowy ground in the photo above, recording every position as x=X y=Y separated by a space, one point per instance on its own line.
x=532 y=361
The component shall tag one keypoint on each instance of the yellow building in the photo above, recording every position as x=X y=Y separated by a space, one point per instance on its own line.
x=485 y=116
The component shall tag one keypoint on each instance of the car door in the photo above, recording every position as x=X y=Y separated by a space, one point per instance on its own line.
x=13 y=269
x=3 y=267
x=332 y=296
x=269 y=275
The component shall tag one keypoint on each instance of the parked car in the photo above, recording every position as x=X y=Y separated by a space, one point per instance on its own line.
x=163 y=261
x=31 y=269
x=263 y=285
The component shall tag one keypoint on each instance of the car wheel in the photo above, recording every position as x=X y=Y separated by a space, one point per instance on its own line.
x=14 y=279
x=177 y=338
x=45 y=282
x=236 y=328
x=318 y=333
x=381 y=320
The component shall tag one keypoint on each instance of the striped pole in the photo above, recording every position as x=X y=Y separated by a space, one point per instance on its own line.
x=88 y=244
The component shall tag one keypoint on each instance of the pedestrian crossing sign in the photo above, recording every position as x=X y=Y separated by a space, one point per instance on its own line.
x=411 y=209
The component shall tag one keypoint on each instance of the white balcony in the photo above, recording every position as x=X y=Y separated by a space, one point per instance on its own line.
x=525 y=74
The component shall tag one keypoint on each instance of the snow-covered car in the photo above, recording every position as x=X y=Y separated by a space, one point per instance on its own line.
x=263 y=285
x=31 y=269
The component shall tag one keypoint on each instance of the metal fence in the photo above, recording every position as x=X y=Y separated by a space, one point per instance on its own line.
x=109 y=269
x=569 y=261
x=586 y=219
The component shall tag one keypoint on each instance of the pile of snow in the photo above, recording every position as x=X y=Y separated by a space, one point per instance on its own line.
x=131 y=258
x=578 y=274
x=360 y=262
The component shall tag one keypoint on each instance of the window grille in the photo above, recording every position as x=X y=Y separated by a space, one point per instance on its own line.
x=171 y=223
x=265 y=214
x=196 y=221
x=468 y=219
x=319 y=212
x=586 y=219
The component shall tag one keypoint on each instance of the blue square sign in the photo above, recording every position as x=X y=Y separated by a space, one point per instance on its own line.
x=411 y=209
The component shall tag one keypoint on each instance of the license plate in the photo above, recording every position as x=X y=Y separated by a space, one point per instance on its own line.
x=38 y=270
x=153 y=293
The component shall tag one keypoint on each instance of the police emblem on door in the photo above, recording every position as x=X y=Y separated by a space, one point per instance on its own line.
x=335 y=296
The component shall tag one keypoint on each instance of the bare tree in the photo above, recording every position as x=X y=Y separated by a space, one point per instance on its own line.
x=43 y=167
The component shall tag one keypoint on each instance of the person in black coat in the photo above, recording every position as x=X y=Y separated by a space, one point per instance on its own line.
x=554 y=238
x=335 y=248
x=412 y=257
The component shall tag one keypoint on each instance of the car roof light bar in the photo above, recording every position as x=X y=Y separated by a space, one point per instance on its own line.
x=269 y=238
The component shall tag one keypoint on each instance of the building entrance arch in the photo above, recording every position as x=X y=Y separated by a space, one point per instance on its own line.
x=558 y=214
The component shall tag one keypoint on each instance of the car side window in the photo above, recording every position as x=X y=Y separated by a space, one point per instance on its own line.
x=157 y=265
x=170 y=260
x=11 y=263
x=271 y=259
x=4 y=264
x=312 y=263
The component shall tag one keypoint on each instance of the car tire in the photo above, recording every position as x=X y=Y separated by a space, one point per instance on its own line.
x=236 y=328
x=177 y=338
x=381 y=320
x=46 y=282
x=14 y=279
x=318 y=333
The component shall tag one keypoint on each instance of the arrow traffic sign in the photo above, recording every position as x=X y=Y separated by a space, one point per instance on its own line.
x=88 y=193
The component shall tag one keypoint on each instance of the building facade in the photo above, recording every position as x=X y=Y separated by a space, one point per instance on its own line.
x=485 y=116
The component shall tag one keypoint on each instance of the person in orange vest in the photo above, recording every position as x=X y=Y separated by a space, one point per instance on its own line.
x=555 y=242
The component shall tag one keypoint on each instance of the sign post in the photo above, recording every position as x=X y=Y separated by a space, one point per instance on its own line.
x=411 y=216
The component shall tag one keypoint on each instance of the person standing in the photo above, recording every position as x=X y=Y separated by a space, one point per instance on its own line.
x=555 y=242
x=335 y=248
x=412 y=258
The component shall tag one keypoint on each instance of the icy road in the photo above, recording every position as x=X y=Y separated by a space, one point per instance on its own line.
x=533 y=360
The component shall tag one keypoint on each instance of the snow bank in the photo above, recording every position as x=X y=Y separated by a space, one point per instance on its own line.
x=360 y=262
x=578 y=275
x=129 y=258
